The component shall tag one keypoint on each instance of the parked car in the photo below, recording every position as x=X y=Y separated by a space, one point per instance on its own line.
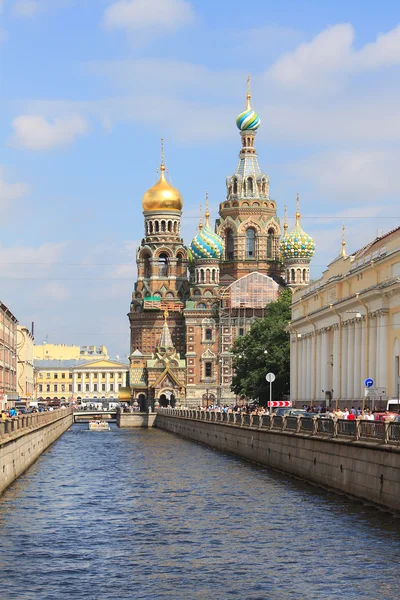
x=385 y=416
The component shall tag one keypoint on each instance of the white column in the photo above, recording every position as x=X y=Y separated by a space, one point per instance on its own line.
x=372 y=349
x=364 y=350
x=74 y=383
x=357 y=362
x=318 y=341
x=301 y=372
x=313 y=341
x=345 y=366
x=309 y=370
x=336 y=363
x=293 y=367
x=350 y=362
x=382 y=378
x=324 y=359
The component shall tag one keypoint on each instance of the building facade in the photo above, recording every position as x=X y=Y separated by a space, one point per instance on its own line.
x=345 y=328
x=69 y=380
x=25 y=375
x=8 y=356
x=189 y=304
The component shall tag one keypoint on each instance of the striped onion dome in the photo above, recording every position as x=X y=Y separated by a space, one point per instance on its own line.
x=248 y=120
x=207 y=244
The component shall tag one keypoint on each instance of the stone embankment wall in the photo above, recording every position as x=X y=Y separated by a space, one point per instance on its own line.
x=366 y=470
x=24 y=438
x=138 y=419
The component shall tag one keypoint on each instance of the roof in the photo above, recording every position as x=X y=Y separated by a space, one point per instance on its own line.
x=71 y=363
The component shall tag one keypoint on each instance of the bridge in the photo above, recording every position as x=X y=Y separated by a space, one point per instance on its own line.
x=84 y=416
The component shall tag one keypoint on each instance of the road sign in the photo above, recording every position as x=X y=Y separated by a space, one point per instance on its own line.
x=376 y=391
x=369 y=382
x=270 y=377
x=279 y=403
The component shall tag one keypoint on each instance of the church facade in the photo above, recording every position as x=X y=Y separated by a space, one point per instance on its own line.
x=190 y=303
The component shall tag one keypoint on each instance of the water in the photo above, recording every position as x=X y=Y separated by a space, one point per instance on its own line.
x=145 y=515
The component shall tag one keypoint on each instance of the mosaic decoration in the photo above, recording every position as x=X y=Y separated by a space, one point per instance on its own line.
x=297 y=244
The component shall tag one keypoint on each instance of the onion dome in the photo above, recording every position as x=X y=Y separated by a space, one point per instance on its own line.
x=162 y=196
x=297 y=244
x=207 y=243
x=248 y=120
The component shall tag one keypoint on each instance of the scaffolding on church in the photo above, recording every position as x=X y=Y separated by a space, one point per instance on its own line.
x=240 y=304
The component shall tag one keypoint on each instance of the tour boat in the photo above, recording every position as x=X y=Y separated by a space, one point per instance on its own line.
x=99 y=426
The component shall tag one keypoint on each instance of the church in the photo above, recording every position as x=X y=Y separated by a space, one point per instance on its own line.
x=190 y=303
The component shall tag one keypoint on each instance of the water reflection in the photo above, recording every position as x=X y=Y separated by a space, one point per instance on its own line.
x=144 y=514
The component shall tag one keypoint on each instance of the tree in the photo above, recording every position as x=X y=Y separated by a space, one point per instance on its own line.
x=252 y=363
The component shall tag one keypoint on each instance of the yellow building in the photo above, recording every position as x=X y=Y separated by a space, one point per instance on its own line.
x=68 y=380
x=25 y=378
x=345 y=328
x=64 y=352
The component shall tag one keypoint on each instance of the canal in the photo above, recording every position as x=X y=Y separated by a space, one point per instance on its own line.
x=145 y=515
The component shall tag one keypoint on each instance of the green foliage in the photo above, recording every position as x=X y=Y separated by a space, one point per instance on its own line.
x=252 y=364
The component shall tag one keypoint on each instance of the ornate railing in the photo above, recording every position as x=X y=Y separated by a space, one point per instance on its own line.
x=387 y=432
x=12 y=426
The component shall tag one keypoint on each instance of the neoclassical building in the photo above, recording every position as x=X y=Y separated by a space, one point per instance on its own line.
x=190 y=303
x=345 y=328
x=68 y=380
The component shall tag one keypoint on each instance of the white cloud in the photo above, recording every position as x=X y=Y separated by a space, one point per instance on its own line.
x=52 y=291
x=362 y=176
x=35 y=132
x=10 y=192
x=331 y=54
x=26 y=8
x=141 y=15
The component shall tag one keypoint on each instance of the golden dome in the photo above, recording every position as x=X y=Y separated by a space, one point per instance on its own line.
x=162 y=196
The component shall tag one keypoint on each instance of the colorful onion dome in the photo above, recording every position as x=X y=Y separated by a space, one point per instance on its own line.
x=248 y=119
x=162 y=196
x=207 y=243
x=297 y=244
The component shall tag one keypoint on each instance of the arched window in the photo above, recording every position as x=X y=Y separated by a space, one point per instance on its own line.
x=229 y=245
x=293 y=274
x=249 y=185
x=170 y=226
x=151 y=226
x=163 y=265
x=250 y=243
x=146 y=266
x=157 y=227
x=270 y=244
x=304 y=275
x=179 y=265
x=235 y=186
x=162 y=225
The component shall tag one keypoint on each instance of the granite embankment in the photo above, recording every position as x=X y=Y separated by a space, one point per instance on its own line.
x=24 y=438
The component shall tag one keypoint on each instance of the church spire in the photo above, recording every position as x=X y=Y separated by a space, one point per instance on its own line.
x=343 y=251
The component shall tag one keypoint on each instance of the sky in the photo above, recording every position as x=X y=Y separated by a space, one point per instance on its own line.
x=89 y=87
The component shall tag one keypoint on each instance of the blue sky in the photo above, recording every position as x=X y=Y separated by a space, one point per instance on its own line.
x=89 y=87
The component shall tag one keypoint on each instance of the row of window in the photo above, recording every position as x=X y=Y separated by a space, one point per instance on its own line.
x=80 y=375
x=68 y=387
x=251 y=239
x=162 y=226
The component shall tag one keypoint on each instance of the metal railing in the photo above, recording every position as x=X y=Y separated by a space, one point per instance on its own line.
x=372 y=431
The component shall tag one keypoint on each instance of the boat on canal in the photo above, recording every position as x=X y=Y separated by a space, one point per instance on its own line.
x=99 y=426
